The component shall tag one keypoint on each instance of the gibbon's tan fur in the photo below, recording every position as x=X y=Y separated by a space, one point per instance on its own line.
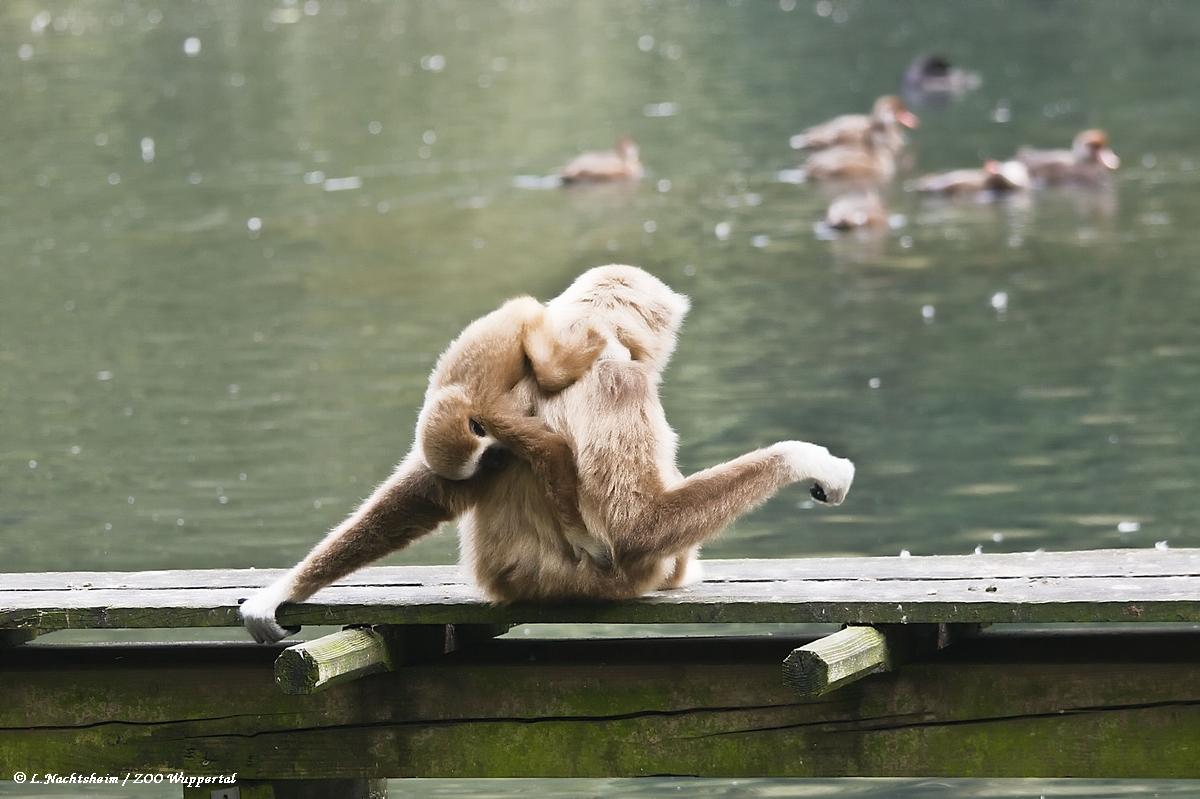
x=630 y=492
x=479 y=406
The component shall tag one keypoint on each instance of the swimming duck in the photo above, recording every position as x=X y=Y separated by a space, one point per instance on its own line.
x=856 y=210
x=622 y=162
x=930 y=78
x=856 y=129
x=994 y=176
x=1088 y=161
x=872 y=161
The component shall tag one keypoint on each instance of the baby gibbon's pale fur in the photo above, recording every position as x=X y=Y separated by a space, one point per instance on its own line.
x=474 y=413
x=630 y=491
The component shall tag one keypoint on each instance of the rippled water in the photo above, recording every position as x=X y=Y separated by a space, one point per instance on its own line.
x=236 y=236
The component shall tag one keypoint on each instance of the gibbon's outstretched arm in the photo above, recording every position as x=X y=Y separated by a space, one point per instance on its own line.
x=686 y=515
x=408 y=505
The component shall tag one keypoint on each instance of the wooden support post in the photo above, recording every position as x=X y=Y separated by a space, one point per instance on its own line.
x=358 y=651
x=835 y=660
x=343 y=656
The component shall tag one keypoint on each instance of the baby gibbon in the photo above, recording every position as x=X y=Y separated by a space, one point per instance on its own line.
x=630 y=492
x=472 y=417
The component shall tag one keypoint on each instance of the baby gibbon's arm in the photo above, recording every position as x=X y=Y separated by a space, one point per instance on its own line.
x=559 y=362
x=411 y=503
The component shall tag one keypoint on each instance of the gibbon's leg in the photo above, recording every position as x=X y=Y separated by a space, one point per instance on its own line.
x=687 y=515
x=553 y=464
x=559 y=362
x=411 y=503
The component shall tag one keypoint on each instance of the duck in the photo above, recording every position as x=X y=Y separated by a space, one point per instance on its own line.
x=860 y=209
x=994 y=176
x=623 y=162
x=1088 y=161
x=872 y=162
x=931 y=78
x=855 y=129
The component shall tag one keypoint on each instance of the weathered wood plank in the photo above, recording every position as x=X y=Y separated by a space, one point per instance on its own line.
x=1117 y=585
x=1085 y=563
x=997 y=705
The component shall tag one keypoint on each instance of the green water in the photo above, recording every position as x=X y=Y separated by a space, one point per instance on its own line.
x=207 y=359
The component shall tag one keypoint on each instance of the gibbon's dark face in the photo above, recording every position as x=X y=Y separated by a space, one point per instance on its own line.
x=451 y=440
x=494 y=459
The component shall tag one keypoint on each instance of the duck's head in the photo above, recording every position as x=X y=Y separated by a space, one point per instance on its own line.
x=628 y=150
x=891 y=108
x=1091 y=146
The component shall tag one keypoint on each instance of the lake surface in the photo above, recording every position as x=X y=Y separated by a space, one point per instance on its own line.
x=236 y=236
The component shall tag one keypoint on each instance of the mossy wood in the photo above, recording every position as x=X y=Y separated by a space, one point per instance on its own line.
x=1113 y=585
x=836 y=660
x=1004 y=703
x=340 y=657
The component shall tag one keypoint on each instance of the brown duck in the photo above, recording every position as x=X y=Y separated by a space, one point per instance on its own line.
x=856 y=210
x=994 y=176
x=871 y=162
x=1088 y=161
x=622 y=162
x=855 y=129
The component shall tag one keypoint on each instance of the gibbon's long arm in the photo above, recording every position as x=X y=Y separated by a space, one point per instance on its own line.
x=411 y=503
x=696 y=510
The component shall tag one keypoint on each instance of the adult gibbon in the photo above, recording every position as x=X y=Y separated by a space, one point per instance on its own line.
x=630 y=492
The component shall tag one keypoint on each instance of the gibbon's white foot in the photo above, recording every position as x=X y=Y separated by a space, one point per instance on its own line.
x=258 y=613
x=832 y=475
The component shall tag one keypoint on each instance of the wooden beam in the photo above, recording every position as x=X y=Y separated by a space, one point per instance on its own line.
x=337 y=658
x=1000 y=704
x=836 y=660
